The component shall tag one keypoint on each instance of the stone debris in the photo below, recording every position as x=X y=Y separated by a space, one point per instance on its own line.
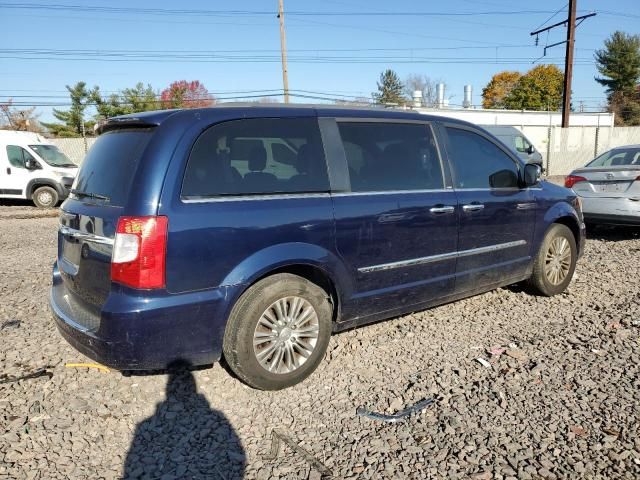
x=555 y=410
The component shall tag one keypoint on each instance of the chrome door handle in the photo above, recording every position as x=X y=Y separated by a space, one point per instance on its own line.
x=473 y=207
x=444 y=209
x=525 y=206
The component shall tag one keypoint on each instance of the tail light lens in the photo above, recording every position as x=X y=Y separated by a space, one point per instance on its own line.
x=571 y=180
x=139 y=252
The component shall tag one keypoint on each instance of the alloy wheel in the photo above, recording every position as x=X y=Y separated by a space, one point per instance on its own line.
x=558 y=260
x=286 y=335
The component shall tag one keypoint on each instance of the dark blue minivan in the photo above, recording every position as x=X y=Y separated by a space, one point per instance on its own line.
x=254 y=232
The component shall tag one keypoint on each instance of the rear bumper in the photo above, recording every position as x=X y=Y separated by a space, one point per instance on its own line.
x=606 y=219
x=613 y=211
x=147 y=331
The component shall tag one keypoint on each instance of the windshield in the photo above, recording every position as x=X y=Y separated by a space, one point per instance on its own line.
x=619 y=156
x=53 y=156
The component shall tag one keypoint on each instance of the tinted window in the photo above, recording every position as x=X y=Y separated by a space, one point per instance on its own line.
x=479 y=163
x=391 y=156
x=17 y=156
x=110 y=164
x=257 y=156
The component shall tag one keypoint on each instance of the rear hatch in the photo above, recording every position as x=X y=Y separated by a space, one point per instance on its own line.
x=615 y=181
x=88 y=222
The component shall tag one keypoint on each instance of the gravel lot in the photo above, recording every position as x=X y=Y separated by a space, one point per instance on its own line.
x=562 y=402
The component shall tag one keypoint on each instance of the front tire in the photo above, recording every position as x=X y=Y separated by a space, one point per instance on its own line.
x=45 y=197
x=278 y=332
x=555 y=263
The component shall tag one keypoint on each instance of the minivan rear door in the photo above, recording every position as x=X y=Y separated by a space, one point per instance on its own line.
x=396 y=225
x=89 y=218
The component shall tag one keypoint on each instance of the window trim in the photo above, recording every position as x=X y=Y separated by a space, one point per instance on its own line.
x=518 y=163
x=430 y=126
x=222 y=197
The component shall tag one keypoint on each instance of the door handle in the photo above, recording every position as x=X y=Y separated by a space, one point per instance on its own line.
x=525 y=206
x=473 y=207
x=443 y=209
x=8 y=171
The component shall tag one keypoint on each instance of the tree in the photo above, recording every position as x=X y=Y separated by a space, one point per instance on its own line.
x=539 y=89
x=184 y=94
x=496 y=91
x=423 y=83
x=73 y=120
x=129 y=100
x=16 y=119
x=619 y=64
x=390 y=89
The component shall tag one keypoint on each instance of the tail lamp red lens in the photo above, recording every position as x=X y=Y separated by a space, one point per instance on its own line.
x=571 y=180
x=139 y=252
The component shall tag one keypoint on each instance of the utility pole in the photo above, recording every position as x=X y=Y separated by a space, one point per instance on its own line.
x=570 y=22
x=568 y=63
x=283 y=51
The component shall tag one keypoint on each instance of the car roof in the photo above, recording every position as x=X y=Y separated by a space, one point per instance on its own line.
x=285 y=110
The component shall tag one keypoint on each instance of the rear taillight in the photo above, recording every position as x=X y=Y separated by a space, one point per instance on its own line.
x=139 y=252
x=571 y=180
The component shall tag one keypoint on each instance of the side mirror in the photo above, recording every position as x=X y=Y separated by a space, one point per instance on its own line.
x=532 y=174
x=531 y=150
x=31 y=164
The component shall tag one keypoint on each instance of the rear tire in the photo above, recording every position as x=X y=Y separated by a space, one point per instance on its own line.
x=278 y=332
x=45 y=197
x=555 y=263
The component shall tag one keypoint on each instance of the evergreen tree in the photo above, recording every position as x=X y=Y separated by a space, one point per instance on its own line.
x=619 y=64
x=129 y=100
x=390 y=89
x=72 y=119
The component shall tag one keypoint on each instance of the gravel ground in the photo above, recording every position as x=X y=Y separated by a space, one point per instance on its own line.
x=561 y=402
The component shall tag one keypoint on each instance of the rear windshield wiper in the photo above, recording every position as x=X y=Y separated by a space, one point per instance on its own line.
x=95 y=196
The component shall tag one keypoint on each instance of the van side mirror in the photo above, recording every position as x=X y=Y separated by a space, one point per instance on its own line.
x=31 y=164
x=531 y=150
x=532 y=174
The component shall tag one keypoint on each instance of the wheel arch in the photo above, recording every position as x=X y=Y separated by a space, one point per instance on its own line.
x=36 y=183
x=308 y=261
x=564 y=214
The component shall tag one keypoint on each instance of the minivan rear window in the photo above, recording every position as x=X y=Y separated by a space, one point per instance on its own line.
x=109 y=167
x=257 y=156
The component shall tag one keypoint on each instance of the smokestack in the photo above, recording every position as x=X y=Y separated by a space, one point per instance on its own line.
x=417 y=98
x=440 y=95
x=468 y=96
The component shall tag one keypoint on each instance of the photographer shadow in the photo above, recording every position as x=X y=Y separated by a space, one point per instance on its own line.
x=185 y=437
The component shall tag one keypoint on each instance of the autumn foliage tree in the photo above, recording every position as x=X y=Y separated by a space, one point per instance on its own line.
x=186 y=94
x=496 y=91
x=14 y=118
x=539 y=89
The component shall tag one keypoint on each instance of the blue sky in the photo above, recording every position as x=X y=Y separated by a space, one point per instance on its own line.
x=457 y=49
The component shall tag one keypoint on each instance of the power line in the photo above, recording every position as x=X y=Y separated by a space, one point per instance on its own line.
x=207 y=12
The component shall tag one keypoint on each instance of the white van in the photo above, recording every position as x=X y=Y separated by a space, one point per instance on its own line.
x=516 y=141
x=33 y=169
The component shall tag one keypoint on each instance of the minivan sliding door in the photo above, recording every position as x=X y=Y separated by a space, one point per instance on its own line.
x=396 y=226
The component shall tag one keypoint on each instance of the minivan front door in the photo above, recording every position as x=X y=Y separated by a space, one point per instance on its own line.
x=396 y=229
x=496 y=216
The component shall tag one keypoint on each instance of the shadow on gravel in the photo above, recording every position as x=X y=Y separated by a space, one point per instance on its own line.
x=613 y=233
x=185 y=437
